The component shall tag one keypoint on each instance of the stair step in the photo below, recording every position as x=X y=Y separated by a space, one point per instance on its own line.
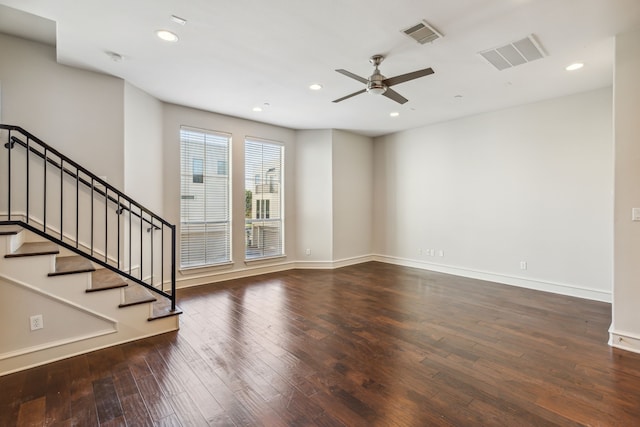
x=162 y=309
x=72 y=265
x=136 y=294
x=9 y=230
x=103 y=279
x=35 y=248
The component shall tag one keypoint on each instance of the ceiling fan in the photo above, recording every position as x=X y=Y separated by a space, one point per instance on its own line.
x=378 y=84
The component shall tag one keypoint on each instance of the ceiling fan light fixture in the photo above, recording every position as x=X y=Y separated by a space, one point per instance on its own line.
x=376 y=88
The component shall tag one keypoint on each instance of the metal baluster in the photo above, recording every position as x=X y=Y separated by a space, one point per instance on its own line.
x=9 y=178
x=118 y=215
x=44 y=196
x=141 y=251
x=152 y=233
x=130 y=236
x=27 y=182
x=173 y=267
x=77 y=205
x=162 y=258
x=106 y=224
x=61 y=197
x=93 y=183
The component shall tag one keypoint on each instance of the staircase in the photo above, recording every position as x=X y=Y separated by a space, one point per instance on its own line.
x=80 y=261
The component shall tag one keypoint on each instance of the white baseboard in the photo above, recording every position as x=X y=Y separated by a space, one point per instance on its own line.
x=539 y=285
x=329 y=265
x=81 y=352
x=624 y=340
x=206 y=276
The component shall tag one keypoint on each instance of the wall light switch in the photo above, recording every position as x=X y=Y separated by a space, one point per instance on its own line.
x=635 y=214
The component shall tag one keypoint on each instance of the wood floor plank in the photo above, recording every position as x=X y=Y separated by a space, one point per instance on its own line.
x=156 y=402
x=31 y=413
x=366 y=345
x=58 y=407
x=135 y=411
x=107 y=401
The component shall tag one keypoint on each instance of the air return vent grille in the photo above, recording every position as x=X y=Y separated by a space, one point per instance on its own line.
x=422 y=32
x=514 y=54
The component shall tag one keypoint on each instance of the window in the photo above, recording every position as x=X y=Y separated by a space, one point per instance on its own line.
x=264 y=198
x=262 y=208
x=205 y=226
x=197 y=171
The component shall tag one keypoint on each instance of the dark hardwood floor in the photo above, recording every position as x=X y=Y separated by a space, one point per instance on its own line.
x=367 y=345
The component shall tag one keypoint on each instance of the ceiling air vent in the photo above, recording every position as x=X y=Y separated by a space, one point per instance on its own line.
x=513 y=54
x=422 y=32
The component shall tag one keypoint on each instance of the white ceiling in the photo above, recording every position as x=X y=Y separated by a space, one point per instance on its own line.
x=235 y=55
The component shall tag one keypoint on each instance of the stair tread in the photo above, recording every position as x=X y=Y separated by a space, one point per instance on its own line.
x=103 y=279
x=136 y=294
x=8 y=230
x=35 y=248
x=162 y=309
x=72 y=265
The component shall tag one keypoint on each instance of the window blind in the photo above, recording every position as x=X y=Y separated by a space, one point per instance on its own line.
x=205 y=227
x=264 y=201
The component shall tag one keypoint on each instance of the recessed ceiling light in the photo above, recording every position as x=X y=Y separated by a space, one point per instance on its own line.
x=257 y=109
x=575 y=66
x=315 y=86
x=178 y=20
x=394 y=114
x=167 y=36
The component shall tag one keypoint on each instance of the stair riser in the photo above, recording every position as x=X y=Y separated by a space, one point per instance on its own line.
x=30 y=269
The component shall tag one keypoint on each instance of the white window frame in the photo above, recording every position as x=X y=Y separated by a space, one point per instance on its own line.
x=210 y=216
x=266 y=178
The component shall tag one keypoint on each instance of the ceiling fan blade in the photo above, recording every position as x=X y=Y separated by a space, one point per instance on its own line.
x=349 y=96
x=392 y=94
x=406 y=77
x=353 y=76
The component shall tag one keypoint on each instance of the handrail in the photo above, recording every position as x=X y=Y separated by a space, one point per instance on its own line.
x=100 y=191
x=121 y=207
x=75 y=165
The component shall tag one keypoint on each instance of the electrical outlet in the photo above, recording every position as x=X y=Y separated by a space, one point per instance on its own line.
x=307 y=252
x=440 y=252
x=523 y=265
x=36 y=322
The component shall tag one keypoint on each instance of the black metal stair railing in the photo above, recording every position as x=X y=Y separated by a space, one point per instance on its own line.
x=51 y=195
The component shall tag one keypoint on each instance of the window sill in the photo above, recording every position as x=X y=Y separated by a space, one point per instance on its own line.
x=198 y=269
x=263 y=260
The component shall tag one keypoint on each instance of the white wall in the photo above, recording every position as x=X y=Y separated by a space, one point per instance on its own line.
x=143 y=148
x=625 y=328
x=314 y=204
x=352 y=160
x=532 y=183
x=175 y=116
x=78 y=112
